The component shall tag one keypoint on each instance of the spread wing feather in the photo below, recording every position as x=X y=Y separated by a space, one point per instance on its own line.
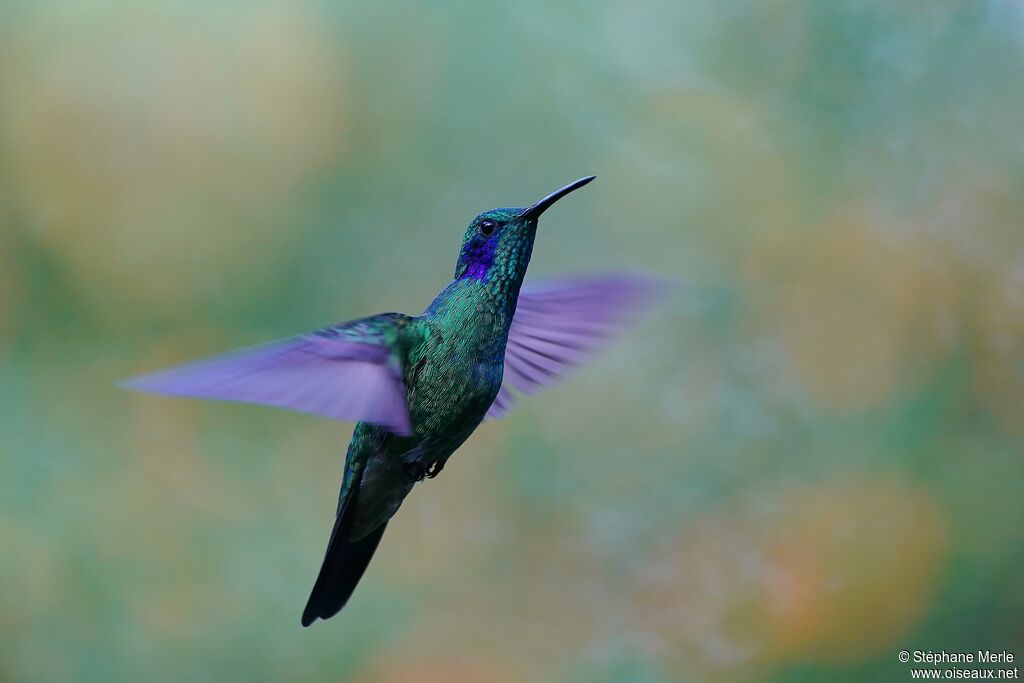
x=559 y=325
x=345 y=372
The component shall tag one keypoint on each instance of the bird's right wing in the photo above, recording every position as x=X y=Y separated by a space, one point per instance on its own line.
x=345 y=372
x=559 y=325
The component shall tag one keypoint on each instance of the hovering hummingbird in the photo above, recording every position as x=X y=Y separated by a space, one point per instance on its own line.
x=418 y=386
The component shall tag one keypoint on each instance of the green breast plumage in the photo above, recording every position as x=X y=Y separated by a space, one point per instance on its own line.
x=454 y=371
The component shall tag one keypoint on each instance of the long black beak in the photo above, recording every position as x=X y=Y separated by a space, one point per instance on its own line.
x=533 y=212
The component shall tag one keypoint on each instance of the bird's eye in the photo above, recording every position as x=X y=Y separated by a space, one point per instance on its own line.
x=487 y=228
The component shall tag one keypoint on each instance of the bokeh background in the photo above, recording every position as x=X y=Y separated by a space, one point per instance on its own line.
x=811 y=458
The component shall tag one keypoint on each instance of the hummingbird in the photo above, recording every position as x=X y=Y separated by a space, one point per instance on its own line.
x=418 y=386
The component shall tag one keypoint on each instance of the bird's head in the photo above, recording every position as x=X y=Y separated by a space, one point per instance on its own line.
x=498 y=243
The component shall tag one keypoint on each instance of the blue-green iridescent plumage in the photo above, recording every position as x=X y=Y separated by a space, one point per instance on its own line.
x=419 y=385
x=452 y=357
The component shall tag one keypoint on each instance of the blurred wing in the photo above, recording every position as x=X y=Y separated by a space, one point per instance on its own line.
x=559 y=325
x=343 y=373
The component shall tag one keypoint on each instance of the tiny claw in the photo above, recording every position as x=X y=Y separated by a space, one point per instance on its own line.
x=434 y=469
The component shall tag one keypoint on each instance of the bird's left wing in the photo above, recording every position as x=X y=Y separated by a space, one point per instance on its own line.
x=345 y=372
x=558 y=325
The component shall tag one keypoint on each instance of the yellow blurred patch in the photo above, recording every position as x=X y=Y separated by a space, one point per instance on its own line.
x=156 y=148
x=11 y=291
x=858 y=316
x=998 y=343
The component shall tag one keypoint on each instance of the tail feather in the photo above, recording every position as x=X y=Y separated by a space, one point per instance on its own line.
x=343 y=566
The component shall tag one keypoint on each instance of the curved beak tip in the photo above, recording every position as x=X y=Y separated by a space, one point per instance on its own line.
x=534 y=212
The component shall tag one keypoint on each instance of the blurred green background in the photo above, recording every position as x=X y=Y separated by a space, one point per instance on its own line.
x=810 y=459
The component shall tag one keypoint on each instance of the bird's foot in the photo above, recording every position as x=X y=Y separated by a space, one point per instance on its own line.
x=417 y=472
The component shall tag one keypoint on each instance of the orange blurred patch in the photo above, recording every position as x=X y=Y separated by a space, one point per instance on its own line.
x=834 y=572
x=852 y=568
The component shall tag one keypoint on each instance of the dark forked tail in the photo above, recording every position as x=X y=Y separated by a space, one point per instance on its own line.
x=343 y=565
